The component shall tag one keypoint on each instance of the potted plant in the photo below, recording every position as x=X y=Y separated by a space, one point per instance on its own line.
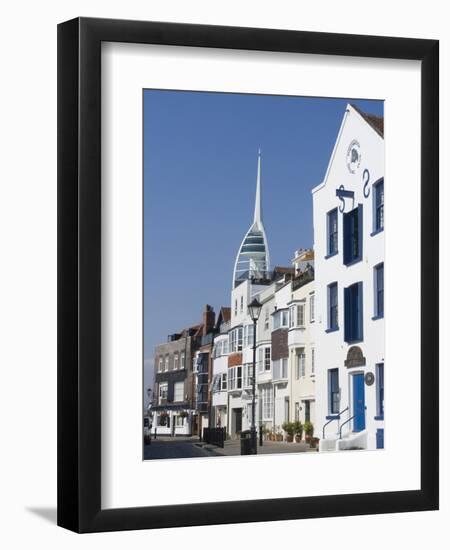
x=309 y=431
x=183 y=414
x=279 y=434
x=313 y=442
x=288 y=427
x=298 y=431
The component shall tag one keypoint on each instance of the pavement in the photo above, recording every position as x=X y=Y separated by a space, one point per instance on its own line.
x=192 y=447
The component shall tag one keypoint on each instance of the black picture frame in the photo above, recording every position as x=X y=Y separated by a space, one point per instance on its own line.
x=79 y=274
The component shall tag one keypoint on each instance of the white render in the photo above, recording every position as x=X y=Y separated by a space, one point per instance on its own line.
x=330 y=348
x=220 y=370
x=240 y=398
x=301 y=341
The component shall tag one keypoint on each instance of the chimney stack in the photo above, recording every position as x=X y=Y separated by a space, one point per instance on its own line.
x=209 y=319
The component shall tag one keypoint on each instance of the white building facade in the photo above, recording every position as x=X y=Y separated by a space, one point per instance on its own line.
x=302 y=349
x=240 y=360
x=349 y=288
x=219 y=382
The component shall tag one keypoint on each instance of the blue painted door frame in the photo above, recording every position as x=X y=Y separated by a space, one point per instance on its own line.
x=359 y=403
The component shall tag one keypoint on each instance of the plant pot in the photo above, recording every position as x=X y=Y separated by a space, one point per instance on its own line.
x=298 y=438
x=289 y=438
x=279 y=437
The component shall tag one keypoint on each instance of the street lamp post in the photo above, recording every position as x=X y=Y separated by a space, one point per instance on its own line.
x=254 y=309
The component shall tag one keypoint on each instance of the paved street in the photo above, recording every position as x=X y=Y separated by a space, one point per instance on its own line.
x=176 y=447
x=165 y=447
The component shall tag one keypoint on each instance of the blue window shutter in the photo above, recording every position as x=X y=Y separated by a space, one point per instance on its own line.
x=360 y=317
x=329 y=391
x=347 y=314
x=347 y=237
x=360 y=231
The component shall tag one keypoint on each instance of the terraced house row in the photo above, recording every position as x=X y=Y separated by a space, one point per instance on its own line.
x=320 y=332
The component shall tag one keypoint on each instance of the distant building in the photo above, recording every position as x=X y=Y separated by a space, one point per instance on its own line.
x=219 y=394
x=203 y=372
x=252 y=259
x=349 y=288
x=301 y=340
x=173 y=407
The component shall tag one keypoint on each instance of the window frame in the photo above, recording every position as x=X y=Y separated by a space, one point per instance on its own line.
x=267 y=401
x=349 y=230
x=378 y=314
x=179 y=383
x=333 y=392
x=162 y=385
x=312 y=307
x=379 y=382
x=332 y=250
x=330 y=326
x=376 y=226
x=267 y=359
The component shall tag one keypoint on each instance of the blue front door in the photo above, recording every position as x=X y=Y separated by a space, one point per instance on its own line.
x=359 y=403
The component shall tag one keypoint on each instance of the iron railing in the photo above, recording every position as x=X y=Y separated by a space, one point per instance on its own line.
x=214 y=436
x=337 y=417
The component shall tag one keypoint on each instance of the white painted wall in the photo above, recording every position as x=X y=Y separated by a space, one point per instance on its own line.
x=303 y=388
x=331 y=349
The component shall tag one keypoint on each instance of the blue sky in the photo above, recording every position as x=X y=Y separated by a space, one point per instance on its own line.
x=200 y=156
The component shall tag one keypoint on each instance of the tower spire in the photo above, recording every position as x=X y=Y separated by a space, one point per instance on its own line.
x=257 y=219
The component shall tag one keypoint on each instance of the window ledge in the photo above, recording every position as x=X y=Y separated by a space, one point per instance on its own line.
x=376 y=231
x=356 y=341
x=328 y=256
x=376 y=317
x=353 y=262
x=379 y=417
x=335 y=329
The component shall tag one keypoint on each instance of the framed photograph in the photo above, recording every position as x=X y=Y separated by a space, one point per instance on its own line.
x=248 y=330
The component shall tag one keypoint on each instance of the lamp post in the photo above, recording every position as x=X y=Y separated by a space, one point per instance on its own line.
x=254 y=310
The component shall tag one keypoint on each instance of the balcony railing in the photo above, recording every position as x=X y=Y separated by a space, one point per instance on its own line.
x=302 y=280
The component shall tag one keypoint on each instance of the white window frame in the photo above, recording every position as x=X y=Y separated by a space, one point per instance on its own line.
x=312 y=307
x=267 y=359
x=297 y=316
x=182 y=360
x=267 y=402
x=302 y=363
x=176 y=362
x=300 y=316
x=161 y=393
x=300 y=366
x=166 y=363
x=280 y=319
x=179 y=384
x=313 y=361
